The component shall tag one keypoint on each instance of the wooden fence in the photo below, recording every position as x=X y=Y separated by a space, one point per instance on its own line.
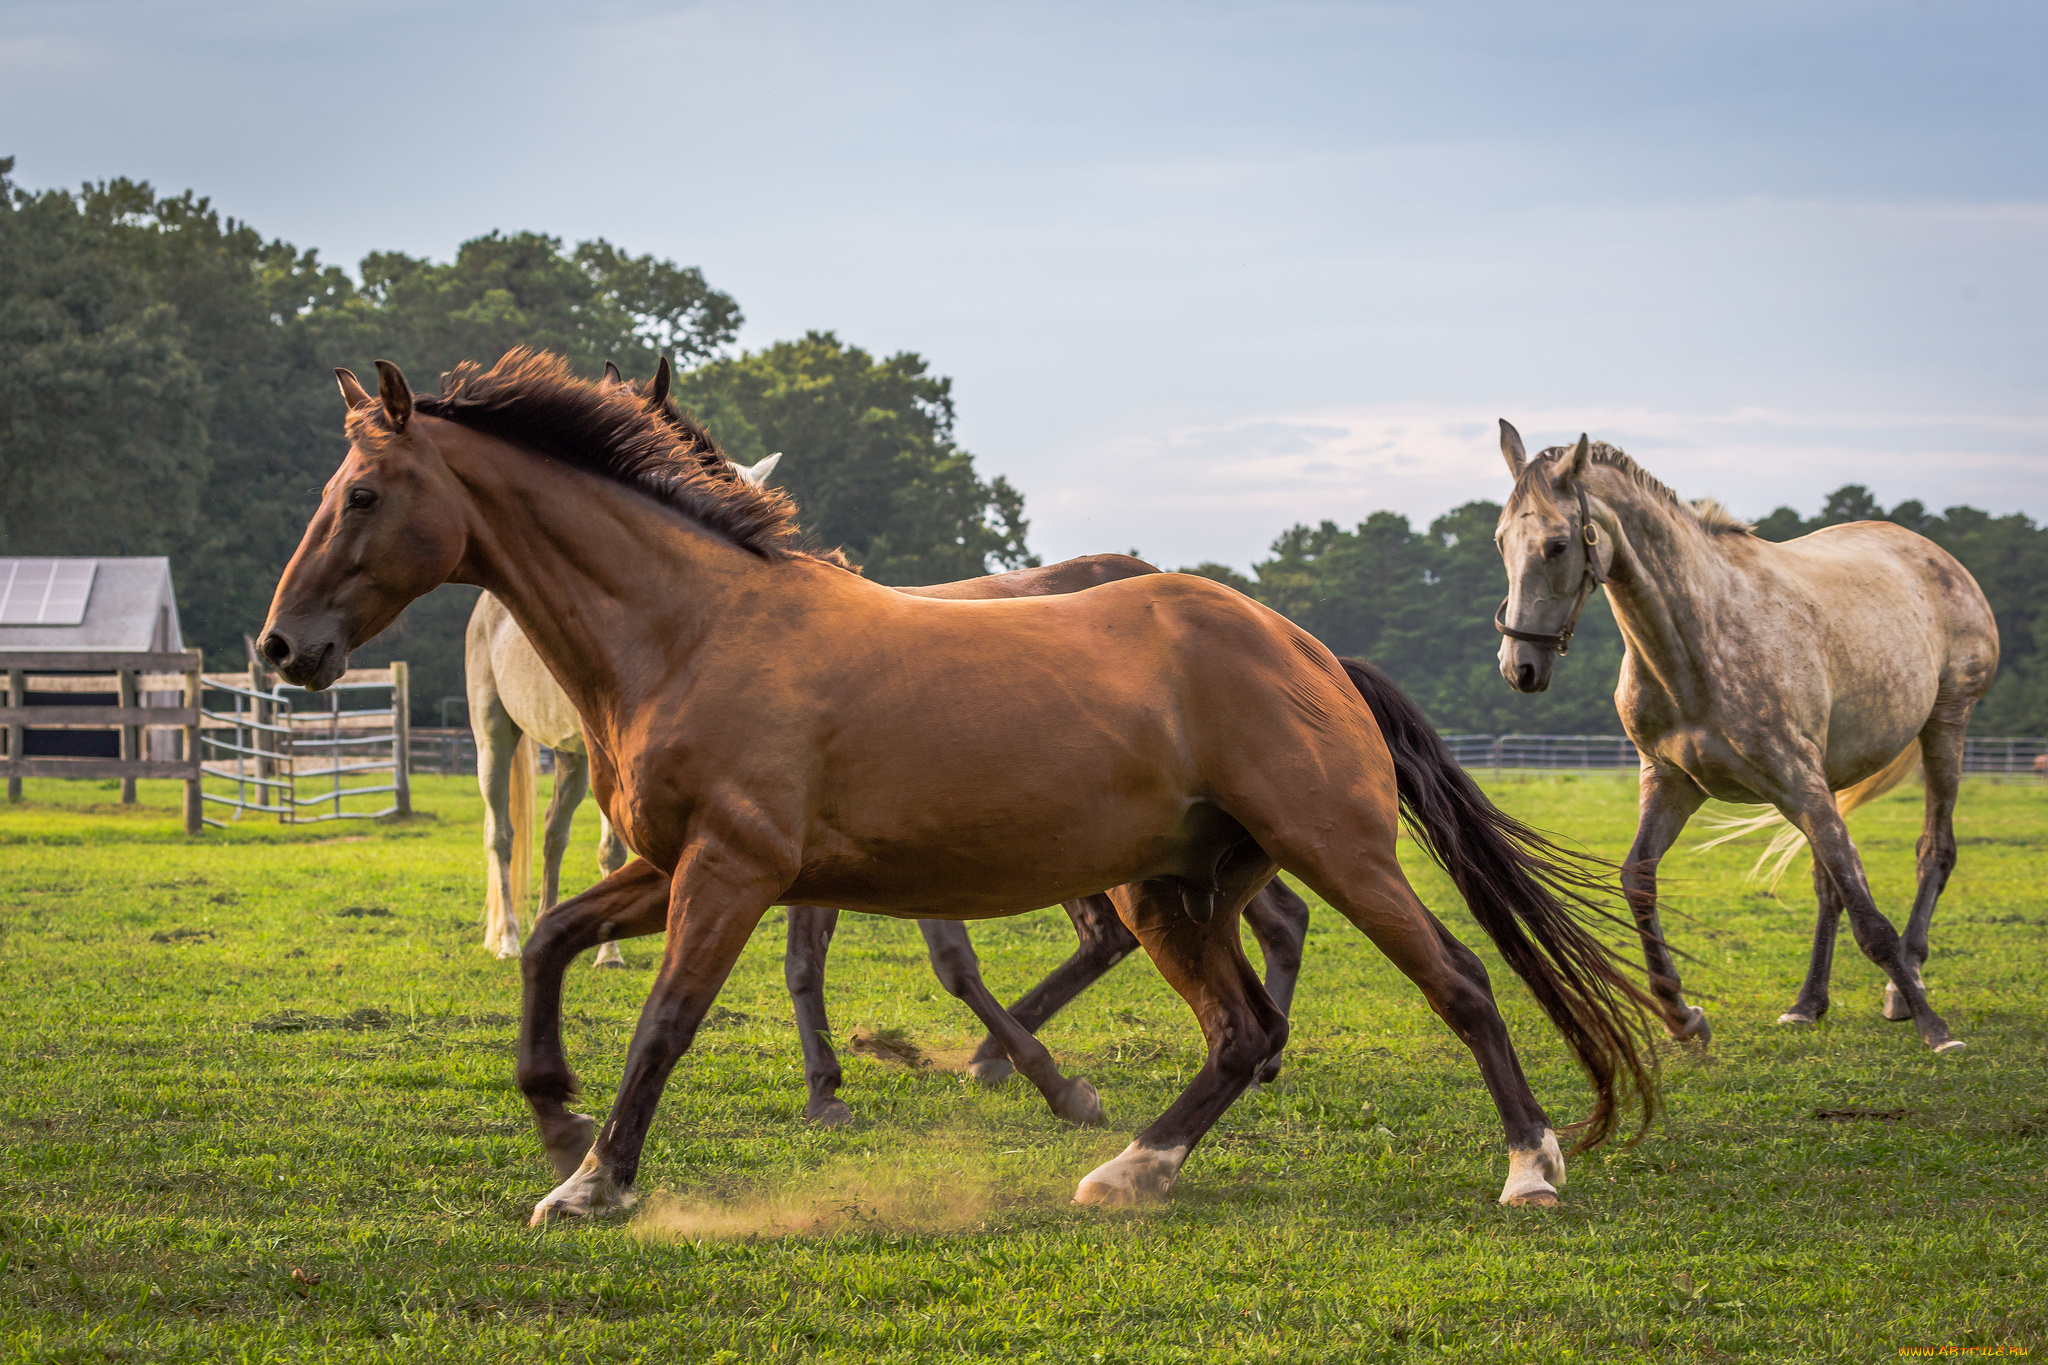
x=131 y=677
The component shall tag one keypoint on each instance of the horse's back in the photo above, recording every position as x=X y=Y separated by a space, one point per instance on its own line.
x=1867 y=571
x=1049 y=580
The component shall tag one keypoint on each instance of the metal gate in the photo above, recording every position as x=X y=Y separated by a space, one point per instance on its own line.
x=268 y=748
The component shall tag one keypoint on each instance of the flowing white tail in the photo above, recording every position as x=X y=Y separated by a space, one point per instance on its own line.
x=1779 y=853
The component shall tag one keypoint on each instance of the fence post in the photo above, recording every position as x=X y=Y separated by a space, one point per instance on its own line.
x=17 y=697
x=124 y=696
x=195 y=815
x=401 y=736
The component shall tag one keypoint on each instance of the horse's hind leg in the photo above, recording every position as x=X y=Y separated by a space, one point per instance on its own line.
x=1813 y=996
x=803 y=971
x=1668 y=799
x=1279 y=921
x=1812 y=808
x=628 y=903
x=959 y=972
x=1941 y=759
x=1205 y=963
x=1103 y=942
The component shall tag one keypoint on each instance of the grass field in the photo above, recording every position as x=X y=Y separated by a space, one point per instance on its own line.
x=259 y=1106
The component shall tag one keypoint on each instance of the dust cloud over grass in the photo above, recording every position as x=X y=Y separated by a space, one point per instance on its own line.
x=932 y=1184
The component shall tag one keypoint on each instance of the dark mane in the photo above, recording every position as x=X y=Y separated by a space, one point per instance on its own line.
x=531 y=399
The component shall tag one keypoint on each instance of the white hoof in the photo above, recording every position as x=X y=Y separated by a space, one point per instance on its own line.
x=502 y=945
x=1135 y=1176
x=608 y=956
x=1952 y=1045
x=1534 y=1175
x=1895 y=1007
x=586 y=1194
x=1790 y=1017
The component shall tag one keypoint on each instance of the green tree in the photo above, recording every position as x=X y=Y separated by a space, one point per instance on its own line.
x=868 y=455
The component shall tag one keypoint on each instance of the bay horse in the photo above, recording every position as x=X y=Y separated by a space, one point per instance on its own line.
x=1162 y=735
x=1757 y=672
x=528 y=697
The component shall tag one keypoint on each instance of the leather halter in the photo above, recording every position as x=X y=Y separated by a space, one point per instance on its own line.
x=1561 y=641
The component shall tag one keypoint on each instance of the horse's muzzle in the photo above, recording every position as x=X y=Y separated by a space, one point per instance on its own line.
x=307 y=665
x=1526 y=668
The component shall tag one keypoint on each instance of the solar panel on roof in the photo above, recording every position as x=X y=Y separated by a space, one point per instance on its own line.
x=45 y=592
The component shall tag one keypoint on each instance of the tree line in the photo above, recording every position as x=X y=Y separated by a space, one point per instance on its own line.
x=1420 y=604
x=166 y=388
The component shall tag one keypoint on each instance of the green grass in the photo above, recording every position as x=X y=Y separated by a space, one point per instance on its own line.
x=241 y=1063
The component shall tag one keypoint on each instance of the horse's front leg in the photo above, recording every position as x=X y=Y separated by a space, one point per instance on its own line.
x=716 y=898
x=630 y=902
x=803 y=972
x=1668 y=800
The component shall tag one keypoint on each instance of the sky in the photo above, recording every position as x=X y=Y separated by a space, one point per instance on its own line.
x=1200 y=272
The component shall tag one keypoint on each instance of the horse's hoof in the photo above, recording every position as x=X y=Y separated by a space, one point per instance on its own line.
x=588 y=1193
x=1694 y=1028
x=1895 y=1007
x=991 y=1070
x=1137 y=1175
x=1534 y=1174
x=614 y=964
x=1795 y=1017
x=1081 y=1104
x=1952 y=1045
x=1533 y=1199
x=832 y=1113
x=570 y=1143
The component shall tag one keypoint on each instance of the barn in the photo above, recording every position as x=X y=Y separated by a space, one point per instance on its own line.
x=89 y=606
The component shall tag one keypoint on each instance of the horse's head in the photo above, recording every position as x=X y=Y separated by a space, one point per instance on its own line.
x=388 y=530
x=1551 y=549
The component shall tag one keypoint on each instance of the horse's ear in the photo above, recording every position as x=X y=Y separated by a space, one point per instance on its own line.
x=612 y=375
x=351 y=391
x=1582 y=453
x=657 y=387
x=758 y=475
x=396 y=393
x=1511 y=448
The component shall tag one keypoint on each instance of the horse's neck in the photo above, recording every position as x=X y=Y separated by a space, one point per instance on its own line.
x=1665 y=584
x=588 y=570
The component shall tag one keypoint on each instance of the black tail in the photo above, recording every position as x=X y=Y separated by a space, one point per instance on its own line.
x=1531 y=898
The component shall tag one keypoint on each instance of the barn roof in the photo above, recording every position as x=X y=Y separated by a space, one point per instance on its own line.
x=118 y=605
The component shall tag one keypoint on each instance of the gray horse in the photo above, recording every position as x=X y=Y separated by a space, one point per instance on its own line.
x=1756 y=672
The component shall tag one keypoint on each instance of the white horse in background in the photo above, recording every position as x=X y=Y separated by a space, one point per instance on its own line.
x=514 y=704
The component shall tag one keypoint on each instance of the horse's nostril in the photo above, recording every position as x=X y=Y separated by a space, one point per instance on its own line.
x=1525 y=677
x=275 y=648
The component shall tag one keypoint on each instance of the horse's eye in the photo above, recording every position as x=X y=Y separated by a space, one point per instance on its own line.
x=1554 y=549
x=360 y=498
